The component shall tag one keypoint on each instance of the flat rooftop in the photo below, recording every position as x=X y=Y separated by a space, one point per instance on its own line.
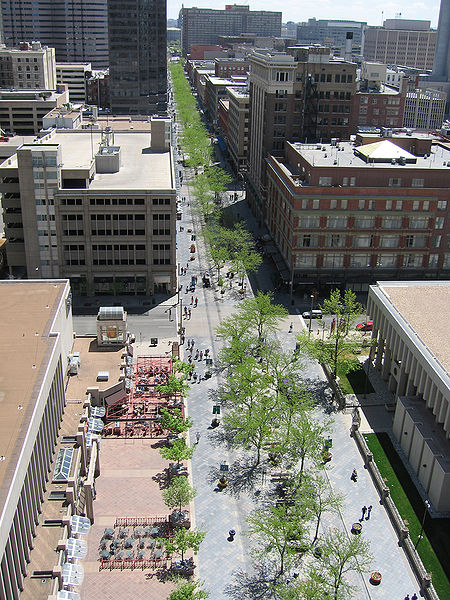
x=426 y=307
x=325 y=155
x=141 y=168
x=27 y=312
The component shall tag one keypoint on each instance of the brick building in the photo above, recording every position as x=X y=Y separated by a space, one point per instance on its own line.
x=351 y=215
x=228 y=67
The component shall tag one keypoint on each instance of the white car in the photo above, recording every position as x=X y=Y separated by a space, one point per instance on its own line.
x=314 y=314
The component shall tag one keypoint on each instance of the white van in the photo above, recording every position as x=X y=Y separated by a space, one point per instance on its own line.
x=314 y=314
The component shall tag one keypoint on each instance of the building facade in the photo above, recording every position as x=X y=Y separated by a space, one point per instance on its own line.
x=21 y=112
x=30 y=66
x=204 y=25
x=238 y=124
x=343 y=214
x=230 y=67
x=75 y=76
x=305 y=94
x=332 y=33
x=425 y=109
x=401 y=42
x=137 y=56
x=98 y=208
x=412 y=355
x=77 y=30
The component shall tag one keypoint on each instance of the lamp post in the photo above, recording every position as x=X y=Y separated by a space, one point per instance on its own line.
x=419 y=537
x=310 y=313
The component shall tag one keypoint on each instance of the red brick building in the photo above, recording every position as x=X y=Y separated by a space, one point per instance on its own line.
x=351 y=215
x=229 y=67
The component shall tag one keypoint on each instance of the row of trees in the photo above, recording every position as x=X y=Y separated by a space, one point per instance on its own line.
x=233 y=246
x=271 y=415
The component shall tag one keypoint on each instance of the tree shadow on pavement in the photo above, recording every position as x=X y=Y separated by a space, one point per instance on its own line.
x=252 y=586
x=321 y=393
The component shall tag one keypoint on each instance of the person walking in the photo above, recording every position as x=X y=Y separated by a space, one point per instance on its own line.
x=192 y=299
x=196 y=302
x=197 y=437
x=364 y=510
x=201 y=354
x=291 y=327
x=369 y=510
x=189 y=312
x=354 y=475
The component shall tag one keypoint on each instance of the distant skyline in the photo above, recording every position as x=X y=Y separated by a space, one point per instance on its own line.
x=356 y=10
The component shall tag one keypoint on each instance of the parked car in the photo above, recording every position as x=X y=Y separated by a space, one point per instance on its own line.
x=314 y=314
x=367 y=326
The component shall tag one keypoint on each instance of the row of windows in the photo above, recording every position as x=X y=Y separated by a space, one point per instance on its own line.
x=341 y=222
x=358 y=261
x=114 y=201
x=370 y=204
x=337 y=240
x=116 y=254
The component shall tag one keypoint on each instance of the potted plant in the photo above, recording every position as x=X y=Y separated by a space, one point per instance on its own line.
x=375 y=578
x=222 y=483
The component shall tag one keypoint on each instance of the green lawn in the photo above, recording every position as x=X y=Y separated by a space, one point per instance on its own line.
x=355 y=382
x=434 y=547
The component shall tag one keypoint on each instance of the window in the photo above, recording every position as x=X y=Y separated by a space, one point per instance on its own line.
x=426 y=205
x=316 y=204
x=391 y=222
x=337 y=222
x=335 y=240
x=433 y=261
x=160 y=201
x=361 y=204
x=399 y=205
x=389 y=241
x=363 y=241
x=360 y=260
x=333 y=261
x=308 y=240
x=388 y=204
x=387 y=260
x=442 y=205
x=308 y=222
x=353 y=181
x=436 y=241
x=72 y=224
x=395 y=182
x=305 y=203
x=416 y=205
x=325 y=181
x=412 y=261
x=345 y=181
x=417 y=183
x=439 y=222
x=161 y=224
x=364 y=222
x=415 y=241
x=161 y=254
x=305 y=260
x=344 y=203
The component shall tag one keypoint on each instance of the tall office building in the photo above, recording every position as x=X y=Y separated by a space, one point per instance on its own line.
x=78 y=30
x=137 y=56
x=205 y=25
x=441 y=65
x=332 y=33
x=409 y=43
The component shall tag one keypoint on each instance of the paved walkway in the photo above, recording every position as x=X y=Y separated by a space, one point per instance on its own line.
x=216 y=512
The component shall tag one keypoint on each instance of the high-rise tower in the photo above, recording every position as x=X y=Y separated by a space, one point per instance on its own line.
x=137 y=56
x=441 y=65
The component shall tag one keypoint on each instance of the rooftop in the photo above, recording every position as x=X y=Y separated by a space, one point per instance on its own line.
x=141 y=168
x=345 y=154
x=26 y=319
x=417 y=302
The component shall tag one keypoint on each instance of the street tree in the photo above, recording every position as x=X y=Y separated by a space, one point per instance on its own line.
x=218 y=180
x=340 y=555
x=179 y=493
x=174 y=385
x=188 y=590
x=177 y=451
x=261 y=314
x=337 y=350
x=183 y=540
x=174 y=421
x=278 y=532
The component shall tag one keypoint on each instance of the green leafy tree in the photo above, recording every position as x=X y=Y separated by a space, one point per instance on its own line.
x=177 y=452
x=173 y=420
x=183 y=540
x=278 y=531
x=341 y=554
x=188 y=590
x=179 y=493
x=261 y=314
x=338 y=351
x=218 y=180
x=175 y=385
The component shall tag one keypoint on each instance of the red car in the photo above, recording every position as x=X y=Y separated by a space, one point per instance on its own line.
x=367 y=326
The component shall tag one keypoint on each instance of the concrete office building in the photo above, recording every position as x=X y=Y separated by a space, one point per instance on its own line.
x=238 y=124
x=77 y=30
x=22 y=111
x=75 y=76
x=30 y=66
x=205 y=25
x=137 y=57
x=401 y=42
x=305 y=94
x=412 y=354
x=36 y=321
x=98 y=208
x=441 y=64
x=216 y=89
x=343 y=214
x=332 y=33
x=424 y=109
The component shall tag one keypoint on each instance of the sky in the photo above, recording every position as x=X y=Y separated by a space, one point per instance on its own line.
x=302 y=10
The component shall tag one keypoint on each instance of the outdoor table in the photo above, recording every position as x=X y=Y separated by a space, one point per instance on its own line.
x=123 y=533
x=109 y=532
x=151 y=544
x=138 y=532
x=147 y=532
x=129 y=543
x=157 y=554
x=129 y=555
x=105 y=555
x=154 y=531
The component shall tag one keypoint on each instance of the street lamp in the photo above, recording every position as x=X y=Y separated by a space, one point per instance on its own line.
x=419 y=537
x=310 y=312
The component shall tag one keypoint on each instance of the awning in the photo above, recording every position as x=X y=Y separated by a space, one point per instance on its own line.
x=79 y=524
x=72 y=574
x=76 y=548
x=161 y=277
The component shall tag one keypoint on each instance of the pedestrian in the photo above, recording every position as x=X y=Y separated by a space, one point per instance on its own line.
x=197 y=436
x=201 y=354
x=192 y=343
x=291 y=327
x=354 y=475
x=414 y=596
x=187 y=265
x=192 y=299
x=369 y=510
x=196 y=301
x=189 y=312
x=364 y=510
x=206 y=352
x=407 y=597
x=196 y=280
x=196 y=355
